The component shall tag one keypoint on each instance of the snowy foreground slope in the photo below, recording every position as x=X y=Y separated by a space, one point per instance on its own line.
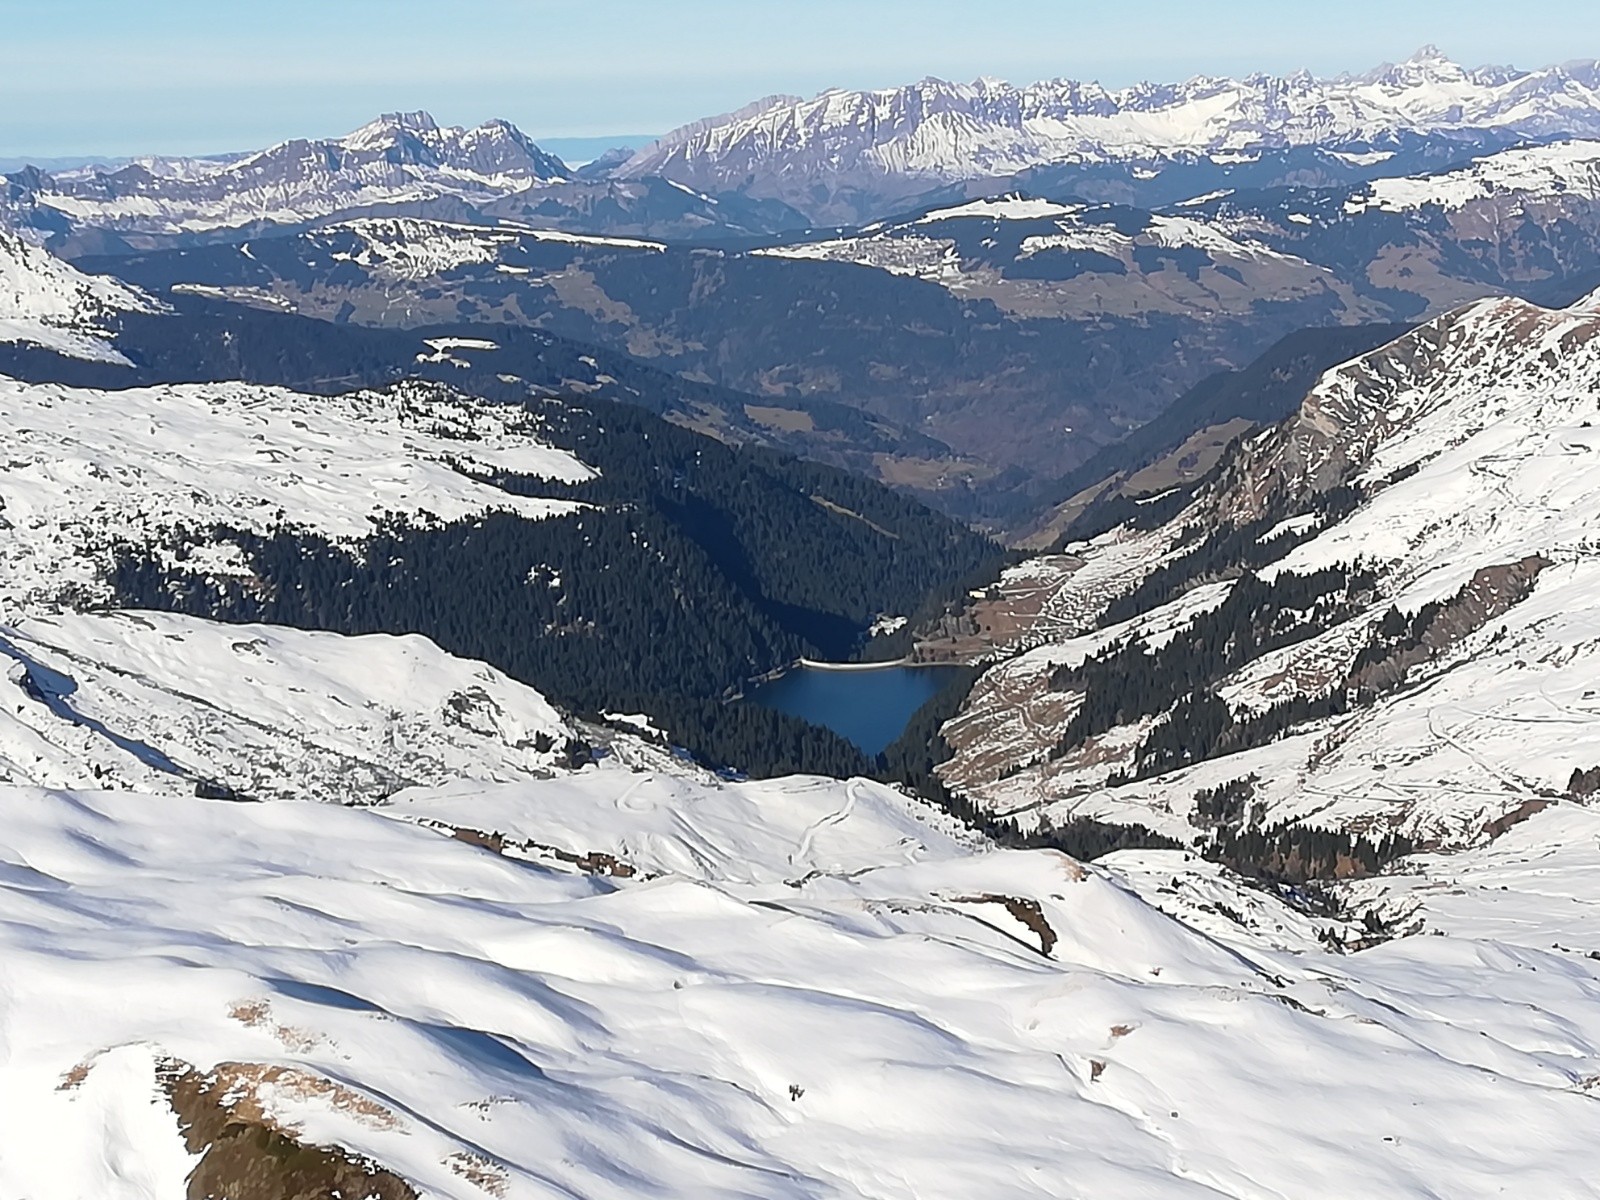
x=1468 y=454
x=436 y=958
x=875 y=1013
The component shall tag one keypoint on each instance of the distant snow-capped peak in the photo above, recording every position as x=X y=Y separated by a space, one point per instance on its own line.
x=411 y=141
x=399 y=159
x=950 y=131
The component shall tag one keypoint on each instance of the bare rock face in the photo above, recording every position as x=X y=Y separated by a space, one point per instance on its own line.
x=246 y=1154
x=1379 y=610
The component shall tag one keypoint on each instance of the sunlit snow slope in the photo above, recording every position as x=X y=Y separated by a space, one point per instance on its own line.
x=941 y=1025
x=45 y=302
x=87 y=467
x=1473 y=448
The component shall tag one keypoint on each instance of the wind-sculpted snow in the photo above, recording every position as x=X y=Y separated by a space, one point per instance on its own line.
x=85 y=468
x=1005 y=1025
x=163 y=704
x=45 y=302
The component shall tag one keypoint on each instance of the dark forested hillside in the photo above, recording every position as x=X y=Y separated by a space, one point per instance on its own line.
x=202 y=340
x=700 y=567
x=1265 y=392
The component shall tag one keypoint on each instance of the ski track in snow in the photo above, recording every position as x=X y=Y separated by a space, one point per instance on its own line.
x=876 y=1034
x=806 y=987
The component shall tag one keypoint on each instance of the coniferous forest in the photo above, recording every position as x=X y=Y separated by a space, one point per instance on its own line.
x=699 y=567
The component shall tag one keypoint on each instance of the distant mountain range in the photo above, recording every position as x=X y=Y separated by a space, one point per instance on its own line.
x=983 y=335
x=838 y=159
x=836 y=155
x=402 y=164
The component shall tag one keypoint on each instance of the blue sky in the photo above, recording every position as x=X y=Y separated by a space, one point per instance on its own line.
x=189 y=76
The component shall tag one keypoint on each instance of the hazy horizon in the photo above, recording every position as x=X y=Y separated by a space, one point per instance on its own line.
x=179 y=77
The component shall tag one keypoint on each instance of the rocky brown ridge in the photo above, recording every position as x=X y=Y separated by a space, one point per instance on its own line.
x=247 y=1154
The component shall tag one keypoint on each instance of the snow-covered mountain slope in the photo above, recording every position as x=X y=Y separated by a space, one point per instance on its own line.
x=1034 y=257
x=164 y=704
x=1525 y=217
x=936 y=131
x=1397 y=247
x=399 y=159
x=167 y=704
x=87 y=469
x=937 y=1025
x=401 y=164
x=45 y=302
x=1568 y=169
x=1434 y=680
x=401 y=249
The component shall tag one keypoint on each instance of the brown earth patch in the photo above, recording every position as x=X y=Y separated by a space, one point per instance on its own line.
x=593 y=862
x=248 y=1155
x=1003 y=616
x=790 y=420
x=1028 y=912
x=1516 y=816
x=478 y=1171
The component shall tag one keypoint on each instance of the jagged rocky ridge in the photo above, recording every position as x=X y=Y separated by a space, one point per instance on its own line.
x=402 y=164
x=1377 y=613
x=841 y=154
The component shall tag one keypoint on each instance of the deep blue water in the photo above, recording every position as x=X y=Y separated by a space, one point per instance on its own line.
x=870 y=708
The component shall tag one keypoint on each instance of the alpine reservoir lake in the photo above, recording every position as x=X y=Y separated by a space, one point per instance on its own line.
x=869 y=705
